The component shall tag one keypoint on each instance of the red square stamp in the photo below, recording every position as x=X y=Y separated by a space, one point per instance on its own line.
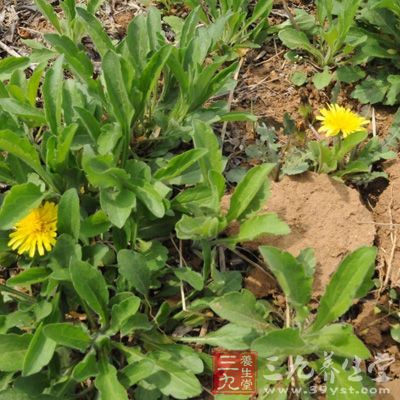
x=234 y=372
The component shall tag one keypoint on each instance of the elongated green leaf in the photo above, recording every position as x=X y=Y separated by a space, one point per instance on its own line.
x=291 y=275
x=20 y=147
x=10 y=64
x=91 y=286
x=29 y=277
x=97 y=33
x=94 y=5
x=281 y=342
x=69 y=220
x=47 y=10
x=239 y=308
x=151 y=74
x=339 y=339
x=248 y=190
x=76 y=58
x=23 y=110
x=117 y=92
x=108 y=384
x=19 y=201
x=52 y=95
x=178 y=164
x=13 y=349
x=133 y=268
x=90 y=122
x=64 y=143
x=230 y=337
x=344 y=285
x=204 y=138
x=260 y=225
x=40 y=352
x=68 y=335
x=193 y=278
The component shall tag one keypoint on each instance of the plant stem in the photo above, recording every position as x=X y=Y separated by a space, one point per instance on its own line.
x=4 y=288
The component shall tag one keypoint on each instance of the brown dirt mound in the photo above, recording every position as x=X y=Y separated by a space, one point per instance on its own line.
x=323 y=214
x=387 y=216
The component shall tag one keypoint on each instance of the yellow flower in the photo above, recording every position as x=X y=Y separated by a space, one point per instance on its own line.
x=336 y=119
x=38 y=230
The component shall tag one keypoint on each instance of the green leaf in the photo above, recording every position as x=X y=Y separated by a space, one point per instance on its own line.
x=197 y=228
x=248 y=190
x=299 y=78
x=21 y=148
x=339 y=339
x=344 y=386
x=151 y=74
x=91 y=286
x=350 y=74
x=132 y=266
x=291 y=275
x=342 y=289
x=68 y=335
x=47 y=10
x=370 y=91
x=40 y=352
x=239 y=308
x=18 y=202
x=193 y=278
x=86 y=368
x=181 y=383
x=96 y=31
x=392 y=96
x=117 y=91
x=52 y=95
x=230 y=337
x=69 y=219
x=122 y=311
x=180 y=163
x=118 y=205
x=260 y=225
x=150 y=198
x=13 y=349
x=108 y=384
x=135 y=372
x=94 y=225
x=322 y=79
x=29 y=277
x=9 y=64
x=280 y=342
x=76 y=58
x=294 y=39
x=23 y=110
x=349 y=143
x=395 y=333
x=204 y=138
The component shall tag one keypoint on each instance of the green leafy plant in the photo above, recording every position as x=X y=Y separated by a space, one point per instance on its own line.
x=378 y=32
x=242 y=26
x=305 y=336
x=95 y=316
x=324 y=37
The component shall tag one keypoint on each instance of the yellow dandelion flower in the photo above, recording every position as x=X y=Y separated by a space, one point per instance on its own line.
x=38 y=230
x=336 y=119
